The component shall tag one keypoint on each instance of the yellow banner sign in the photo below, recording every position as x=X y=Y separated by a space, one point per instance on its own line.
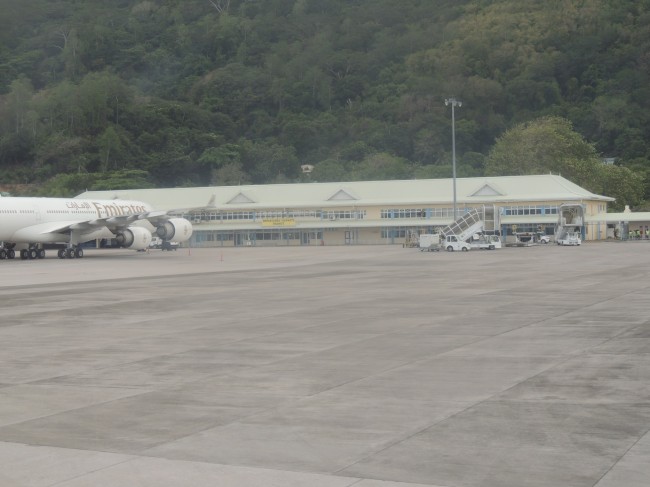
x=278 y=222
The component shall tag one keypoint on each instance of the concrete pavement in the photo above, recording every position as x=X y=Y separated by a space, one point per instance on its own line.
x=332 y=366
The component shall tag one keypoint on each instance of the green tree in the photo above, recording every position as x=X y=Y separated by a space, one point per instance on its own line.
x=19 y=99
x=266 y=161
x=382 y=166
x=216 y=157
x=60 y=153
x=103 y=98
x=64 y=185
x=437 y=171
x=73 y=184
x=61 y=108
x=230 y=174
x=122 y=179
x=622 y=184
x=306 y=81
x=548 y=144
x=110 y=146
x=329 y=170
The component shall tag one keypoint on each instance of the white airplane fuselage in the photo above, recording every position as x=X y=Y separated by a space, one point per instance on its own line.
x=36 y=220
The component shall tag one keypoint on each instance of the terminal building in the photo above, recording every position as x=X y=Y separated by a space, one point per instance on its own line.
x=369 y=212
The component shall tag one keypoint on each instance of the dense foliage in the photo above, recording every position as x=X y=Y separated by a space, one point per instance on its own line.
x=550 y=145
x=194 y=92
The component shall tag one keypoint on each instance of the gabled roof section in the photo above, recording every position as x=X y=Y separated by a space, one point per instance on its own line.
x=240 y=198
x=418 y=192
x=341 y=195
x=487 y=190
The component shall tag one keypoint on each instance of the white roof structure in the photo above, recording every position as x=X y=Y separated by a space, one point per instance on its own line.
x=636 y=217
x=469 y=191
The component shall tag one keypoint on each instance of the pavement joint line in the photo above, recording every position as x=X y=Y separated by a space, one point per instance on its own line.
x=621 y=457
x=491 y=398
x=121 y=462
x=592 y=316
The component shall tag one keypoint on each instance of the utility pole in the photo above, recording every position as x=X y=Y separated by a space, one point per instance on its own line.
x=454 y=103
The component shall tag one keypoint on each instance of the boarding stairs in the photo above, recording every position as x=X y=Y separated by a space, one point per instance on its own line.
x=571 y=220
x=475 y=220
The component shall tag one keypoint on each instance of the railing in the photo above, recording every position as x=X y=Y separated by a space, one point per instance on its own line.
x=465 y=224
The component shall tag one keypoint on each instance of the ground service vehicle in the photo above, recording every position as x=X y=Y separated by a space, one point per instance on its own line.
x=436 y=241
x=485 y=242
x=159 y=243
x=569 y=238
x=454 y=236
x=570 y=226
x=430 y=242
x=452 y=243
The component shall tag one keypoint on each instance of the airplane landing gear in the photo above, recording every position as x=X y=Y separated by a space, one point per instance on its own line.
x=28 y=254
x=70 y=253
x=31 y=253
x=7 y=251
x=7 y=254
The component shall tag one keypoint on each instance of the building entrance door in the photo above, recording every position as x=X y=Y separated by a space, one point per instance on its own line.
x=350 y=237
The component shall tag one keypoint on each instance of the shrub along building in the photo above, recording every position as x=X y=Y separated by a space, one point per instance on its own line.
x=368 y=212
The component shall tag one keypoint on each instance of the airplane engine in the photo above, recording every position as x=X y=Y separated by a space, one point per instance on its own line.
x=177 y=229
x=137 y=238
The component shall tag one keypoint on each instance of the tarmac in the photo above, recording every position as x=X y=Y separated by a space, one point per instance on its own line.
x=365 y=366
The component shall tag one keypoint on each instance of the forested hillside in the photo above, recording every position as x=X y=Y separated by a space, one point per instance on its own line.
x=195 y=92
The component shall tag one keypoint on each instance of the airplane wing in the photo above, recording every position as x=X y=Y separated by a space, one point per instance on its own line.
x=60 y=231
x=60 y=227
x=112 y=223
x=118 y=222
x=160 y=216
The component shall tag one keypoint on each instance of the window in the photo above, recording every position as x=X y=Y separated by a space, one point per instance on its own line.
x=529 y=210
x=404 y=213
x=294 y=213
x=393 y=232
x=344 y=214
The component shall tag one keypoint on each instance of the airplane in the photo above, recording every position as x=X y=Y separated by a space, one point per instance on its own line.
x=27 y=224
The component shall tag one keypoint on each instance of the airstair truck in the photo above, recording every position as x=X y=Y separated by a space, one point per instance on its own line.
x=569 y=238
x=455 y=236
x=467 y=225
x=570 y=227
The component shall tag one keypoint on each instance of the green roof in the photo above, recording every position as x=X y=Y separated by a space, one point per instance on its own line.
x=469 y=191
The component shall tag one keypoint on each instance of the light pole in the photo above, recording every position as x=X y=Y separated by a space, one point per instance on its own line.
x=454 y=103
